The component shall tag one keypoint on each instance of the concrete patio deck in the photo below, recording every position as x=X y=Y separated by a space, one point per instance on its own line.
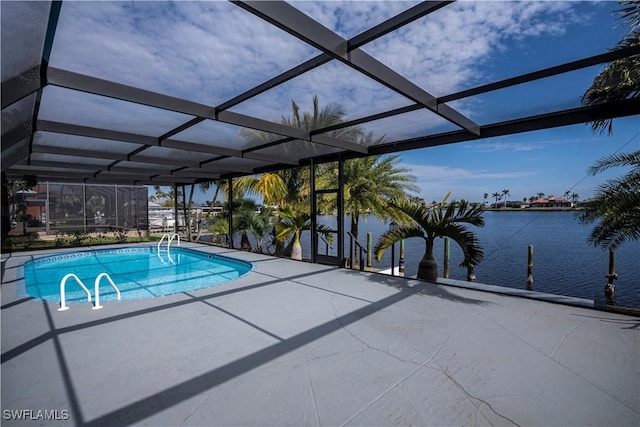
x=298 y=344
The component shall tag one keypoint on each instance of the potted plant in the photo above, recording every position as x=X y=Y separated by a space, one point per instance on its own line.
x=440 y=220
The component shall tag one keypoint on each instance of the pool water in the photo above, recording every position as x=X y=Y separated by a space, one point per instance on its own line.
x=139 y=272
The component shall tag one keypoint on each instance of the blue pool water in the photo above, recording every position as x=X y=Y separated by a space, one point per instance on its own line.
x=139 y=272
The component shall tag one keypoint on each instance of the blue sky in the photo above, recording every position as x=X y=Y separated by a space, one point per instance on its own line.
x=209 y=52
x=550 y=161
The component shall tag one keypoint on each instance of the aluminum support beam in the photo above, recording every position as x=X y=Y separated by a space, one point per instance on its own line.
x=272 y=158
x=202 y=148
x=15 y=154
x=20 y=86
x=545 y=72
x=91 y=132
x=296 y=23
x=569 y=117
x=16 y=134
x=379 y=30
x=123 y=92
x=74 y=152
x=96 y=86
x=416 y=12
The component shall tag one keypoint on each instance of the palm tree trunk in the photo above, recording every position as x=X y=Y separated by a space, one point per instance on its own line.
x=296 y=252
x=355 y=216
x=245 y=245
x=428 y=268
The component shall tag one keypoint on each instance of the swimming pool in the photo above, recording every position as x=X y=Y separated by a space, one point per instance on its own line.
x=138 y=272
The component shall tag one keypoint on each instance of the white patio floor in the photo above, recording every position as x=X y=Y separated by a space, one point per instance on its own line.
x=300 y=344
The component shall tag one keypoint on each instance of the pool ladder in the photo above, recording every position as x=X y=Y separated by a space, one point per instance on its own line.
x=97 y=305
x=169 y=240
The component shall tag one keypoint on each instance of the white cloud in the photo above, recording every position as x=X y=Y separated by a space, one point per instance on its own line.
x=449 y=174
x=443 y=51
x=510 y=146
x=204 y=51
x=509 y=143
x=209 y=52
x=350 y=18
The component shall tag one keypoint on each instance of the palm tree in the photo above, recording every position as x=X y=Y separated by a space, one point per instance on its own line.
x=292 y=186
x=318 y=118
x=165 y=198
x=271 y=186
x=437 y=221
x=540 y=195
x=294 y=183
x=506 y=193
x=485 y=195
x=220 y=187
x=369 y=184
x=261 y=225
x=219 y=228
x=496 y=196
x=574 y=199
x=243 y=222
x=621 y=78
x=292 y=222
x=617 y=203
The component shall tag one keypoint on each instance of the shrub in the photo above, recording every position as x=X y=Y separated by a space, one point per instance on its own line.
x=120 y=234
x=77 y=236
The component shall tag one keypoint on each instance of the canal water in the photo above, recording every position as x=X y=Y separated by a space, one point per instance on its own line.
x=564 y=263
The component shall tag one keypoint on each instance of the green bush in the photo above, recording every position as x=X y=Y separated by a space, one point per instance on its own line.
x=78 y=236
x=120 y=234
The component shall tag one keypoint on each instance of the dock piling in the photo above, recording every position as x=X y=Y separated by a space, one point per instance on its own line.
x=447 y=252
x=471 y=274
x=610 y=287
x=530 y=268
x=401 y=262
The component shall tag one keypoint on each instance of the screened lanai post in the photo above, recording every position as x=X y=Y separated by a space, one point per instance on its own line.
x=314 y=221
x=175 y=208
x=84 y=210
x=340 y=206
x=230 y=196
x=47 y=212
x=186 y=212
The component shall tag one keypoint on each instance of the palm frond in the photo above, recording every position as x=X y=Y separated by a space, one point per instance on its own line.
x=395 y=235
x=621 y=78
x=468 y=242
x=630 y=13
x=615 y=160
x=438 y=221
x=616 y=206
